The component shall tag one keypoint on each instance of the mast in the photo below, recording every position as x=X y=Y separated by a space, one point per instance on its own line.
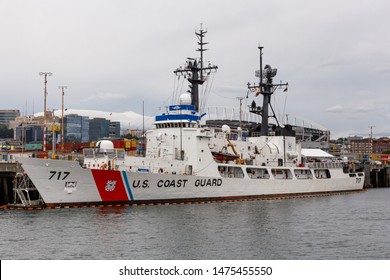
x=195 y=70
x=265 y=88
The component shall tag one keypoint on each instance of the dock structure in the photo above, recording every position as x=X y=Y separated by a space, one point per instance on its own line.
x=8 y=172
x=377 y=177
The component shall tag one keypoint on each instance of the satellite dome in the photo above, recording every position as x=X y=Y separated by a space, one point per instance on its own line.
x=105 y=145
x=225 y=128
x=185 y=99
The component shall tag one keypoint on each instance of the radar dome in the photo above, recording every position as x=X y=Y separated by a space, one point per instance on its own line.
x=185 y=99
x=225 y=128
x=105 y=145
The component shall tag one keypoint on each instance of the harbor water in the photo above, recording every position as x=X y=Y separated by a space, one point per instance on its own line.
x=354 y=226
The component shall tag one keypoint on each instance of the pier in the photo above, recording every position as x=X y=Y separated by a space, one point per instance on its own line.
x=8 y=171
x=377 y=177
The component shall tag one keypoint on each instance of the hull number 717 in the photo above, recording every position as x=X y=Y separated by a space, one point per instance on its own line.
x=60 y=175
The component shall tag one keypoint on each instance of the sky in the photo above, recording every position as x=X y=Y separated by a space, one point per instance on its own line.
x=115 y=55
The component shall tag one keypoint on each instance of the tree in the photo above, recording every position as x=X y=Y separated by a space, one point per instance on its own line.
x=5 y=132
x=342 y=140
x=129 y=136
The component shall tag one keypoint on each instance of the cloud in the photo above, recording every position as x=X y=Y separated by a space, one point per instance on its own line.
x=336 y=109
x=338 y=61
x=384 y=71
x=361 y=109
x=351 y=109
x=104 y=96
x=333 y=63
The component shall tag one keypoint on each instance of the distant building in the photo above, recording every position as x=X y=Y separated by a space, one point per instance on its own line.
x=380 y=145
x=8 y=115
x=360 y=145
x=102 y=128
x=32 y=133
x=98 y=128
x=84 y=129
x=135 y=133
x=114 y=130
x=76 y=128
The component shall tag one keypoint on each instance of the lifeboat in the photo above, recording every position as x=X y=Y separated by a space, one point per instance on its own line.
x=224 y=156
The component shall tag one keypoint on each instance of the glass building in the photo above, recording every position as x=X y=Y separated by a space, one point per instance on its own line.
x=76 y=128
x=98 y=128
x=115 y=130
x=8 y=115
x=32 y=133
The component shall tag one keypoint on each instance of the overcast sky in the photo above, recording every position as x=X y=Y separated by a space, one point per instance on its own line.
x=114 y=54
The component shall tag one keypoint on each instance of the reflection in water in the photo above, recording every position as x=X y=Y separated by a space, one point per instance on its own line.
x=336 y=227
x=114 y=211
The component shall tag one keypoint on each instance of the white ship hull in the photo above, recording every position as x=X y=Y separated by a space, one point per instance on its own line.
x=66 y=182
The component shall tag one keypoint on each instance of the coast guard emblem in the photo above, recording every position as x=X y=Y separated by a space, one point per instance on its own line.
x=110 y=186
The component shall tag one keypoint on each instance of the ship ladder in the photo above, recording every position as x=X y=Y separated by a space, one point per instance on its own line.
x=22 y=198
x=22 y=189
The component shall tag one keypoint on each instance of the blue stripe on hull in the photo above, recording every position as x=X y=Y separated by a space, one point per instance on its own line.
x=127 y=185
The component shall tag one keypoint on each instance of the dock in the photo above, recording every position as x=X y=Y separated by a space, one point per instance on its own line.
x=377 y=177
x=8 y=171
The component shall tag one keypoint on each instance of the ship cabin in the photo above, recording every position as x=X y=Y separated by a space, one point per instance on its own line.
x=178 y=116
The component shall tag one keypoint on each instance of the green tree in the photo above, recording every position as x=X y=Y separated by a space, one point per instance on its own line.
x=5 y=132
x=129 y=136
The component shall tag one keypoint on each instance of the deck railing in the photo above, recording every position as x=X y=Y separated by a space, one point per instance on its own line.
x=328 y=165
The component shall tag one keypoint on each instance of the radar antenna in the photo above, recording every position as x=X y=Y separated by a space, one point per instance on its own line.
x=265 y=88
x=195 y=71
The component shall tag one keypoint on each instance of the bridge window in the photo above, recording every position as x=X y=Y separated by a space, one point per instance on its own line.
x=231 y=171
x=257 y=173
x=322 y=173
x=303 y=174
x=281 y=173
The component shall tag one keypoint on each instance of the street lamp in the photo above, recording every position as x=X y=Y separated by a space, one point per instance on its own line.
x=45 y=74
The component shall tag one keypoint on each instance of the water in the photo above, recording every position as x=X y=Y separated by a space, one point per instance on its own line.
x=355 y=226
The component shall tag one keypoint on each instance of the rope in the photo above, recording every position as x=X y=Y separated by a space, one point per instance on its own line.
x=209 y=89
x=181 y=88
x=205 y=167
x=284 y=107
x=277 y=107
x=206 y=91
x=174 y=89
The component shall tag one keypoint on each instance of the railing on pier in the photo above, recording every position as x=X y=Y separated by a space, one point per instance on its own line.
x=98 y=153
